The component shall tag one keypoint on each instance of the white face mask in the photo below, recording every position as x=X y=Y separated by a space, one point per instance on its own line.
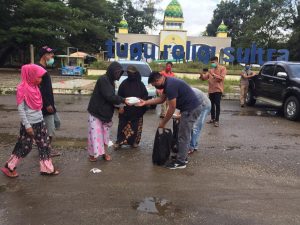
x=50 y=62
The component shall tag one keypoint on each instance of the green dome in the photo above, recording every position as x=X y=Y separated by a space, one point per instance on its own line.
x=174 y=10
x=123 y=24
x=222 y=28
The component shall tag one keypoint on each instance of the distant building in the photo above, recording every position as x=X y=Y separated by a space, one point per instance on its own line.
x=171 y=35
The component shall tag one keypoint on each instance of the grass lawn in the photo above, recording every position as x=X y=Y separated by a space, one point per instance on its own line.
x=229 y=85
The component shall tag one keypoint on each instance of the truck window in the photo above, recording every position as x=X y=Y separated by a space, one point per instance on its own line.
x=295 y=69
x=279 y=69
x=268 y=70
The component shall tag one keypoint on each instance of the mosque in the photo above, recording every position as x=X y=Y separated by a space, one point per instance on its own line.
x=171 y=35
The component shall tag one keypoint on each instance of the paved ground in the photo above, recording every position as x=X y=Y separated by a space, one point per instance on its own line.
x=246 y=172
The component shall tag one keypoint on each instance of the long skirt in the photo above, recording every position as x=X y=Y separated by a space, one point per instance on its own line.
x=24 y=146
x=98 y=136
x=129 y=131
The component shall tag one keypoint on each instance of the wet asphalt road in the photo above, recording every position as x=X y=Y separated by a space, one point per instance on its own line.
x=246 y=172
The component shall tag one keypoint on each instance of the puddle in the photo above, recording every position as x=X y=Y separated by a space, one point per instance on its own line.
x=153 y=205
x=10 y=187
x=8 y=138
x=2 y=188
x=267 y=113
x=59 y=142
x=285 y=135
x=70 y=143
x=3 y=109
x=231 y=148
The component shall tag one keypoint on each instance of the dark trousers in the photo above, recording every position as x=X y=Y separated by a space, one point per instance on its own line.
x=187 y=120
x=215 y=99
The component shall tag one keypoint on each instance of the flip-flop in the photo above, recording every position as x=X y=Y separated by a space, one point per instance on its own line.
x=92 y=159
x=8 y=173
x=54 y=173
x=106 y=157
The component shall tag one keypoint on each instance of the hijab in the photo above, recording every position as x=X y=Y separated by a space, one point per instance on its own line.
x=27 y=90
x=133 y=74
x=112 y=71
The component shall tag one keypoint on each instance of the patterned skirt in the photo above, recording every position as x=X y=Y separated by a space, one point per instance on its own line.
x=98 y=136
x=24 y=146
x=129 y=132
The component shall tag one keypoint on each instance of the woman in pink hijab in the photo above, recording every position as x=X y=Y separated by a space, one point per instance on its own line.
x=29 y=101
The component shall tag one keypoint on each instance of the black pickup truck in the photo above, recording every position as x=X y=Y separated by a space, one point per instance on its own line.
x=278 y=83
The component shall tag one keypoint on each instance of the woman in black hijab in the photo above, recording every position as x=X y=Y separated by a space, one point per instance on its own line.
x=131 y=117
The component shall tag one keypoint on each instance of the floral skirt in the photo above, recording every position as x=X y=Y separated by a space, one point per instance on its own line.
x=129 y=131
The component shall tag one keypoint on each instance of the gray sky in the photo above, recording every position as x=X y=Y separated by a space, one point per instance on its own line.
x=197 y=14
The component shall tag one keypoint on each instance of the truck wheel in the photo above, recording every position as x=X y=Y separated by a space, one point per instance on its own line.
x=250 y=100
x=292 y=108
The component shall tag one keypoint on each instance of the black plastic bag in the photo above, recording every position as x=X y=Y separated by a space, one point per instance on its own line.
x=162 y=146
x=176 y=122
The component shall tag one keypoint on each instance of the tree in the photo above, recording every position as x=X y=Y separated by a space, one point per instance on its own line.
x=294 y=41
x=50 y=24
x=266 y=23
x=99 y=19
x=139 y=17
x=85 y=24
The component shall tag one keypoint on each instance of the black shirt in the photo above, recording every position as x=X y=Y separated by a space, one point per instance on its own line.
x=47 y=93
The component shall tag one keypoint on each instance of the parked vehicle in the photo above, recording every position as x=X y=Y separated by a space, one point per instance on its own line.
x=278 y=83
x=144 y=70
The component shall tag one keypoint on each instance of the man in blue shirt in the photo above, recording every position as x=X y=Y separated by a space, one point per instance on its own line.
x=179 y=95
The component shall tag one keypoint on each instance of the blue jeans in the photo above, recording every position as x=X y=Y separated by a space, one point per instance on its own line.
x=197 y=127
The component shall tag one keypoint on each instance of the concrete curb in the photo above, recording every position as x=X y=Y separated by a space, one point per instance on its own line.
x=78 y=91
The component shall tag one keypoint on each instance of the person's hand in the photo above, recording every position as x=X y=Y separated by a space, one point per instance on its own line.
x=30 y=132
x=127 y=102
x=176 y=115
x=141 y=103
x=161 y=124
x=121 y=110
x=50 y=109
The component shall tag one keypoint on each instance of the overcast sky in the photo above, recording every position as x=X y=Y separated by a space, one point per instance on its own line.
x=197 y=14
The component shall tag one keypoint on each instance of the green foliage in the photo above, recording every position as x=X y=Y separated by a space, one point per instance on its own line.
x=229 y=85
x=99 y=65
x=266 y=23
x=294 y=42
x=84 y=24
x=139 y=17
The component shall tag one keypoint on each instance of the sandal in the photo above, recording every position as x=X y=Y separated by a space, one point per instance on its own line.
x=190 y=151
x=106 y=157
x=211 y=121
x=116 y=146
x=9 y=173
x=92 y=158
x=135 y=145
x=55 y=172
x=216 y=124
